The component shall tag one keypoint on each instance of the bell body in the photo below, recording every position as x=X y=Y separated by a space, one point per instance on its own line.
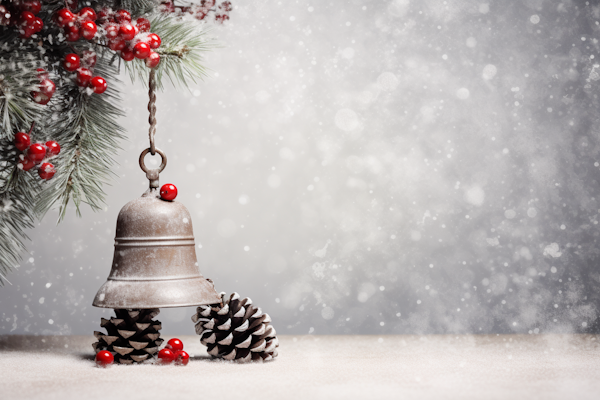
x=154 y=264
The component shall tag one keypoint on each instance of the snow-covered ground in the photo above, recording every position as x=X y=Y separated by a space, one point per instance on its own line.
x=318 y=367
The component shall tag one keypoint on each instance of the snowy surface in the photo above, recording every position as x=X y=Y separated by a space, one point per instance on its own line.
x=382 y=167
x=318 y=367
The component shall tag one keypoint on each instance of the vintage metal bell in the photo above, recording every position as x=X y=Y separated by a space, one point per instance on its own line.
x=154 y=264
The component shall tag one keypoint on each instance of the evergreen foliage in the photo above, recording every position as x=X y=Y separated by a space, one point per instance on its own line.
x=184 y=42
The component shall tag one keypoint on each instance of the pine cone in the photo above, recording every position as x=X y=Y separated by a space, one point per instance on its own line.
x=236 y=330
x=131 y=337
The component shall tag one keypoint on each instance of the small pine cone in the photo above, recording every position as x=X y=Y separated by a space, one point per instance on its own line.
x=236 y=330
x=131 y=337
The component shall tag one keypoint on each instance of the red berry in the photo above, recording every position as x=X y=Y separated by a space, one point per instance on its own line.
x=36 y=152
x=84 y=76
x=123 y=16
x=25 y=163
x=105 y=14
x=127 y=54
x=47 y=87
x=87 y=14
x=117 y=44
x=98 y=84
x=26 y=31
x=166 y=356
x=153 y=60
x=112 y=31
x=71 y=62
x=175 y=345
x=141 y=50
x=127 y=31
x=221 y=18
x=53 y=148
x=64 y=17
x=40 y=98
x=72 y=33
x=104 y=358
x=5 y=15
x=154 y=41
x=168 y=192
x=42 y=74
x=46 y=171
x=226 y=6
x=182 y=357
x=37 y=25
x=27 y=18
x=34 y=6
x=88 y=59
x=88 y=30
x=22 y=141
x=143 y=24
x=168 y=6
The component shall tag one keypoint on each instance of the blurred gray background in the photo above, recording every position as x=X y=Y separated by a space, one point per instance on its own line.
x=366 y=167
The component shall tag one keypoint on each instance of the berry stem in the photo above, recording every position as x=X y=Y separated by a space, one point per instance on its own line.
x=31 y=129
x=179 y=53
x=96 y=43
x=73 y=49
x=185 y=8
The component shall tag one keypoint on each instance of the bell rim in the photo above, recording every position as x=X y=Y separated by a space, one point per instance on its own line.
x=141 y=294
x=145 y=306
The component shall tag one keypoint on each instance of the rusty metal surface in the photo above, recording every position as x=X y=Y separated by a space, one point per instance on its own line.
x=154 y=264
x=152 y=174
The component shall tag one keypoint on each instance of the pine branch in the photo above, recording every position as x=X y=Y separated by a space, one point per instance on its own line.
x=16 y=215
x=17 y=189
x=89 y=140
x=17 y=111
x=181 y=53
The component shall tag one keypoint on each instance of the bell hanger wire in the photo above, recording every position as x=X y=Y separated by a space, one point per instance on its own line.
x=152 y=174
x=152 y=110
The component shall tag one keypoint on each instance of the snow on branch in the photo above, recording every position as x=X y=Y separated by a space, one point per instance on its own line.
x=184 y=41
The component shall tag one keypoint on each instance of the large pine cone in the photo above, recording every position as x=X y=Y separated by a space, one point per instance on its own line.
x=131 y=337
x=236 y=330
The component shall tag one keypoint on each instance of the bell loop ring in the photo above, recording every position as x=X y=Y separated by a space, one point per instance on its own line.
x=163 y=159
x=152 y=174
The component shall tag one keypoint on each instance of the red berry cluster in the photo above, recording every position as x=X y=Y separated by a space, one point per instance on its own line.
x=84 y=66
x=200 y=11
x=34 y=154
x=77 y=26
x=22 y=14
x=223 y=13
x=47 y=88
x=132 y=39
x=173 y=351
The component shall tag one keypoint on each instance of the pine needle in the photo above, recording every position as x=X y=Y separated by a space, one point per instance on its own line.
x=184 y=42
